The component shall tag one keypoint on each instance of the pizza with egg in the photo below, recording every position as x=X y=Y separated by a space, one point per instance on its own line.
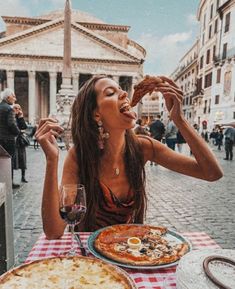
x=139 y=245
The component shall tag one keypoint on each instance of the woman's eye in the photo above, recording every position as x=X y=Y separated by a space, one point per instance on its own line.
x=110 y=93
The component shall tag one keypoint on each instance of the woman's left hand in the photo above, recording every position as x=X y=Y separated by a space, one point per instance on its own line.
x=173 y=97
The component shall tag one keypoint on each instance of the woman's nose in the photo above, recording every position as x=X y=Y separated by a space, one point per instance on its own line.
x=123 y=95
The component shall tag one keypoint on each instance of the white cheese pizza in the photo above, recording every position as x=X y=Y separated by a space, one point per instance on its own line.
x=67 y=273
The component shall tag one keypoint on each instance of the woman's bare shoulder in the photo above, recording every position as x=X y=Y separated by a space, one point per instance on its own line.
x=147 y=145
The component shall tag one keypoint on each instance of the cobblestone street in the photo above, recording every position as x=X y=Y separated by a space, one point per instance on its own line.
x=176 y=201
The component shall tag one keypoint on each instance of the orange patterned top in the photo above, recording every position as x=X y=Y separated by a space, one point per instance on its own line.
x=112 y=211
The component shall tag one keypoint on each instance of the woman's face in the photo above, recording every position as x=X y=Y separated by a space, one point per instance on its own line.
x=113 y=105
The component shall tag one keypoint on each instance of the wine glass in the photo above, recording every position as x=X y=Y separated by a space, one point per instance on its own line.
x=72 y=208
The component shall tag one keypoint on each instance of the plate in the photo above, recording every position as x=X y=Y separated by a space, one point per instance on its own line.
x=171 y=236
x=67 y=272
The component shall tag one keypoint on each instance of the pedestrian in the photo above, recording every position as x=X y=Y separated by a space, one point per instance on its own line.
x=171 y=134
x=8 y=126
x=229 y=135
x=157 y=128
x=219 y=138
x=140 y=128
x=32 y=135
x=180 y=141
x=109 y=159
x=21 y=143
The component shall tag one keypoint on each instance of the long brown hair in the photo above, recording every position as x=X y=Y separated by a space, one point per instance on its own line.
x=85 y=135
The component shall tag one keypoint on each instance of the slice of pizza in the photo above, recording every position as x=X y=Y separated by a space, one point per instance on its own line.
x=147 y=85
x=139 y=245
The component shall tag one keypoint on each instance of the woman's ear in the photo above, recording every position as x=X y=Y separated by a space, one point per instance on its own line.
x=96 y=115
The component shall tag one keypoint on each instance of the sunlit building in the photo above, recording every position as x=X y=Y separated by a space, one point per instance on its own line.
x=213 y=97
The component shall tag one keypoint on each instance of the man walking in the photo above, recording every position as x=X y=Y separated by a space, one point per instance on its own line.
x=229 y=141
x=157 y=128
x=8 y=127
x=171 y=134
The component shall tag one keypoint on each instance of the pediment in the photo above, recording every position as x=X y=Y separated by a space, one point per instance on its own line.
x=47 y=40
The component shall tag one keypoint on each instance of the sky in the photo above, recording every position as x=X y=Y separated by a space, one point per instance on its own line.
x=165 y=28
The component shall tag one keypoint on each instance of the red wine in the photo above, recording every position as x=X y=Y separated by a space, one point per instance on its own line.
x=73 y=214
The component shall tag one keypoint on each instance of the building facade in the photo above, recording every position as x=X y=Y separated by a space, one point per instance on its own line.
x=216 y=76
x=31 y=57
x=208 y=81
x=185 y=77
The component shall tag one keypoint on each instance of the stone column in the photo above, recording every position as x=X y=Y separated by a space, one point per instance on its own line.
x=75 y=82
x=53 y=86
x=32 y=96
x=11 y=79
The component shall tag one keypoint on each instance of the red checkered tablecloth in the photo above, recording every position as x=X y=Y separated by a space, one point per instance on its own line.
x=144 y=279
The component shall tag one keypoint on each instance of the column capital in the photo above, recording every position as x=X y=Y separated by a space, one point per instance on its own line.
x=10 y=73
x=53 y=74
x=31 y=73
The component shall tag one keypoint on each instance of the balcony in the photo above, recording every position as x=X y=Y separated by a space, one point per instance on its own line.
x=230 y=54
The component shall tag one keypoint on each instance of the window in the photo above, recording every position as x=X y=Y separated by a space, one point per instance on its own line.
x=214 y=50
x=201 y=62
x=217 y=99
x=203 y=39
x=218 y=76
x=227 y=22
x=209 y=107
x=186 y=100
x=204 y=22
x=224 y=55
x=211 y=15
x=217 y=4
x=208 y=80
x=205 y=106
x=216 y=26
x=208 y=56
x=199 y=85
x=234 y=115
x=210 y=32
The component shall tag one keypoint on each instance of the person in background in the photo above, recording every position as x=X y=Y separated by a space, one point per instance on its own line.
x=140 y=128
x=180 y=141
x=171 y=134
x=229 y=135
x=20 y=155
x=157 y=128
x=219 y=138
x=32 y=135
x=109 y=159
x=8 y=126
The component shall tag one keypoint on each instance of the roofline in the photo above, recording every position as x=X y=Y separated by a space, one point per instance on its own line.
x=99 y=60
x=190 y=49
x=90 y=25
x=76 y=26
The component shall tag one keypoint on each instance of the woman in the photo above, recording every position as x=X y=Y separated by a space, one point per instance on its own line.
x=109 y=159
x=20 y=155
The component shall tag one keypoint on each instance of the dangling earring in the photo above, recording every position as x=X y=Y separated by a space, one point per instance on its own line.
x=102 y=135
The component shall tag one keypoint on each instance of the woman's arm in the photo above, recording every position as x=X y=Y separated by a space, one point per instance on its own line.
x=205 y=165
x=46 y=134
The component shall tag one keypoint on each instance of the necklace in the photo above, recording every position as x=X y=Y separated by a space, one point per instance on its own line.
x=117 y=171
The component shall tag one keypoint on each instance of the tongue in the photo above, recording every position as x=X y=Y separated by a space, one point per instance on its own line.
x=130 y=114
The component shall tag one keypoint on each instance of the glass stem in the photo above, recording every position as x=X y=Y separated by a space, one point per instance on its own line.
x=72 y=250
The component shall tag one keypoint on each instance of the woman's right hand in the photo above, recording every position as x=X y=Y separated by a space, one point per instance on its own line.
x=46 y=134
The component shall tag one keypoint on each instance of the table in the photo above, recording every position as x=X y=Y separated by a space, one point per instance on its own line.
x=144 y=279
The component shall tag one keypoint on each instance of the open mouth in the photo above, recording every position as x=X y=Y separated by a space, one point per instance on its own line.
x=125 y=107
